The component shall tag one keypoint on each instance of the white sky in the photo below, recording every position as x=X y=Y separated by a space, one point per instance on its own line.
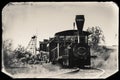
x=21 y=21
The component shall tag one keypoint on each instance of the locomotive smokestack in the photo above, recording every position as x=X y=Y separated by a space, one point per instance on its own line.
x=79 y=22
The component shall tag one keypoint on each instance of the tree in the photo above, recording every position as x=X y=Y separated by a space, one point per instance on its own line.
x=21 y=53
x=96 y=37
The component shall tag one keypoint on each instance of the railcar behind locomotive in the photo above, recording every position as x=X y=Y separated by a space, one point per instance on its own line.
x=70 y=48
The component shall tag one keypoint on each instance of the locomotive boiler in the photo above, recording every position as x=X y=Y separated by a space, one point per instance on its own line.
x=70 y=47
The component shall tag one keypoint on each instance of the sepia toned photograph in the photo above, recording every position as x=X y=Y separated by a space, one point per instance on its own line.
x=60 y=40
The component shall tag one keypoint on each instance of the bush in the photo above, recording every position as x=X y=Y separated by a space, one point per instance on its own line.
x=96 y=37
x=22 y=55
x=8 y=54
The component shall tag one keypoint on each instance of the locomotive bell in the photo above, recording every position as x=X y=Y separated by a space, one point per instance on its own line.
x=80 y=22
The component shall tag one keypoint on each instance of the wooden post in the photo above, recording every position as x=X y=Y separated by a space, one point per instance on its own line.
x=58 y=48
x=78 y=38
x=86 y=39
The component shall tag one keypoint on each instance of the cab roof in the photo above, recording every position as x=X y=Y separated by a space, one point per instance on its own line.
x=71 y=33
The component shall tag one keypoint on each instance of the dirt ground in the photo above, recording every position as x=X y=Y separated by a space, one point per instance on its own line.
x=47 y=70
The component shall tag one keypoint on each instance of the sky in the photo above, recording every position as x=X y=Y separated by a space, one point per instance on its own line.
x=22 y=20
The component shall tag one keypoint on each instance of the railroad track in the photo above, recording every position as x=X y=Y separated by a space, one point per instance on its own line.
x=95 y=72
x=80 y=71
x=103 y=71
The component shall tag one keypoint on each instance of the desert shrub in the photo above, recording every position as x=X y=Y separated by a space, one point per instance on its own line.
x=21 y=54
x=8 y=54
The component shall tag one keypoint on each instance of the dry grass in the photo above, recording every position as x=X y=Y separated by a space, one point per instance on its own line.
x=107 y=60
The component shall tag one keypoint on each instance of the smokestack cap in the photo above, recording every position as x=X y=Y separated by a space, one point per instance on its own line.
x=80 y=22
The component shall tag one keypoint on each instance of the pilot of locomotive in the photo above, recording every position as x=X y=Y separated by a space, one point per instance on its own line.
x=70 y=47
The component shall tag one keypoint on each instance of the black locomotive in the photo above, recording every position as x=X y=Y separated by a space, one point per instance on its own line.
x=70 y=48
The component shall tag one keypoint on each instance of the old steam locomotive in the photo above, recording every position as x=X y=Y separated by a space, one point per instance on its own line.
x=70 y=47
